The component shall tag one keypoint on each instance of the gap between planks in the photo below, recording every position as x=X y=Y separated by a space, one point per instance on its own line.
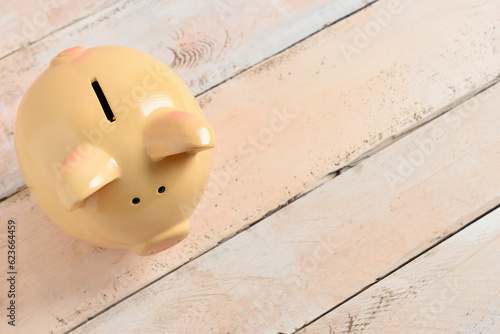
x=333 y=318
x=19 y=33
x=403 y=265
x=325 y=26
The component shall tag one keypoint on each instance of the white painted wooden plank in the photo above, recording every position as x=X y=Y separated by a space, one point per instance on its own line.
x=206 y=42
x=23 y=22
x=296 y=264
x=382 y=92
x=453 y=288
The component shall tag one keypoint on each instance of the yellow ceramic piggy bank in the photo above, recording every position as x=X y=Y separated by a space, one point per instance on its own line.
x=114 y=148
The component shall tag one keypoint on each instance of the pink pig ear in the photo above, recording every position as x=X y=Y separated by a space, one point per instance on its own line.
x=172 y=132
x=85 y=170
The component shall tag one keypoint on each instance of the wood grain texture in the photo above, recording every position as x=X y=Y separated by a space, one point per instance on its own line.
x=313 y=254
x=453 y=288
x=23 y=22
x=206 y=42
x=337 y=111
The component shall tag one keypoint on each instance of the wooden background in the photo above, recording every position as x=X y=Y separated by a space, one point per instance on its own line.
x=372 y=208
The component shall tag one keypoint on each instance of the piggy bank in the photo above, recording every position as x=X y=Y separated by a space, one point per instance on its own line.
x=114 y=148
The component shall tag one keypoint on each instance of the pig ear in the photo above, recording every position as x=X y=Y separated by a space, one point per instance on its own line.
x=85 y=170
x=172 y=132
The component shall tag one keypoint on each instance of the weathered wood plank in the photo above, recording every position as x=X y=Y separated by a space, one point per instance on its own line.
x=23 y=22
x=313 y=254
x=206 y=42
x=453 y=288
x=344 y=109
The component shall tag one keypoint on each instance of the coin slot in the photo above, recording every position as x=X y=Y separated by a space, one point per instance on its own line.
x=103 y=101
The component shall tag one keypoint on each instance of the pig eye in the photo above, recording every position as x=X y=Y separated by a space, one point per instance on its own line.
x=136 y=200
x=161 y=190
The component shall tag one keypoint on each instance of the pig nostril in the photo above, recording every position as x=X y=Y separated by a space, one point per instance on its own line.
x=161 y=190
x=136 y=200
